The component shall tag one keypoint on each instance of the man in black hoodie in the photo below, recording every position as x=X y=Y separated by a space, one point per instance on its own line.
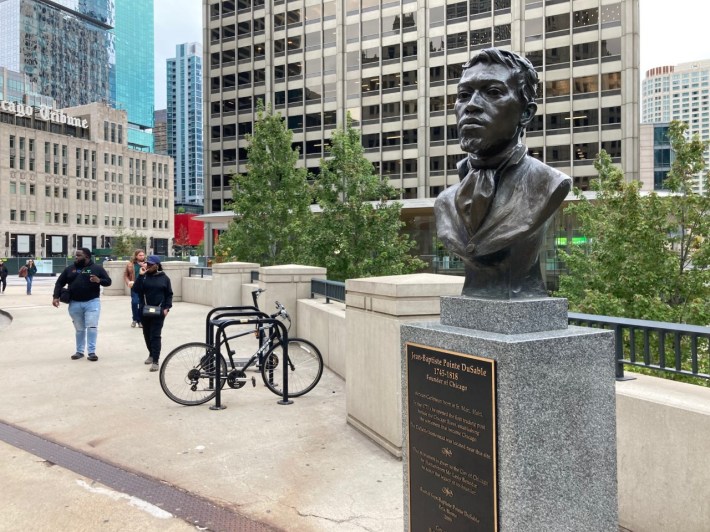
x=85 y=280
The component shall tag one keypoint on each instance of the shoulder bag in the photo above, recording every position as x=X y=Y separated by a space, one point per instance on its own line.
x=152 y=311
x=64 y=294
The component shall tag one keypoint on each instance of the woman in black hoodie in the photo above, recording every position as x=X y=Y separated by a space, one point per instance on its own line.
x=154 y=289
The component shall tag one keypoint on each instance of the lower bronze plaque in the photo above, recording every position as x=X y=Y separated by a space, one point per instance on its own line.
x=451 y=407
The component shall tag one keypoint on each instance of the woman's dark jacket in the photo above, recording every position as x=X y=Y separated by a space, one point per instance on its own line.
x=155 y=289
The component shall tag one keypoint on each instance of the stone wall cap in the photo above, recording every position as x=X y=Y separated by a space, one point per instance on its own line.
x=238 y=266
x=292 y=268
x=410 y=285
x=236 y=263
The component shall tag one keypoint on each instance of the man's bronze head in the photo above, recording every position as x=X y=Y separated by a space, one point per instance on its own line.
x=523 y=69
x=495 y=102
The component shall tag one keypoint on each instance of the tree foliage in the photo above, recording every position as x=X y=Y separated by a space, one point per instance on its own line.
x=358 y=232
x=648 y=254
x=124 y=243
x=271 y=201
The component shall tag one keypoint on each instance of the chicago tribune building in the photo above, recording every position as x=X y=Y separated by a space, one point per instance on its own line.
x=394 y=67
x=68 y=180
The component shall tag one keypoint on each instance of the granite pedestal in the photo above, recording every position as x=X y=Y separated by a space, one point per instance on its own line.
x=553 y=427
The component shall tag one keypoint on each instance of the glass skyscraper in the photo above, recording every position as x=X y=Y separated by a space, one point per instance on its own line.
x=184 y=122
x=65 y=47
x=133 y=89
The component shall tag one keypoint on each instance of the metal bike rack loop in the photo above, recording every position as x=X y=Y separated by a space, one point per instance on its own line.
x=244 y=316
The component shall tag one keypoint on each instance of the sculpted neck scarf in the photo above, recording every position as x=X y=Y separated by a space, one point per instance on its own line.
x=477 y=189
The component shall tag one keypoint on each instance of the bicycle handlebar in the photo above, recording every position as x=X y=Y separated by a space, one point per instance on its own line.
x=281 y=311
x=255 y=295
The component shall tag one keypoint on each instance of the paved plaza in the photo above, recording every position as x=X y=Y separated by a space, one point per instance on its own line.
x=299 y=467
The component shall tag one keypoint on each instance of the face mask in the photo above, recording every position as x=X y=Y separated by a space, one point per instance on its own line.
x=80 y=262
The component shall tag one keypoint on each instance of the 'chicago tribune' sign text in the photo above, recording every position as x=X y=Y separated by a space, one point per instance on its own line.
x=43 y=113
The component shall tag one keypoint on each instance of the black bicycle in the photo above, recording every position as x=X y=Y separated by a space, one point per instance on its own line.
x=188 y=375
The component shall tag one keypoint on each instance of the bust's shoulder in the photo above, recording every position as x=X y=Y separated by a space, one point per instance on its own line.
x=543 y=175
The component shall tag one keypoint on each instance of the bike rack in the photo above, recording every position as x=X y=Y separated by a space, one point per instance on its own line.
x=243 y=316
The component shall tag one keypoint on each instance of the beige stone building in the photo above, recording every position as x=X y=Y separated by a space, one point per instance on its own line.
x=68 y=180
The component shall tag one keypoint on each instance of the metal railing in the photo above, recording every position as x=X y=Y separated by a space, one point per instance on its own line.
x=200 y=271
x=667 y=347
x=334 y=290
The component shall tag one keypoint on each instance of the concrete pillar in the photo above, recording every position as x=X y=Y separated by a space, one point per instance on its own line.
x=375 y=309
x=115 y=269
x=227 y=281
x=287 y=284
x=176 y=270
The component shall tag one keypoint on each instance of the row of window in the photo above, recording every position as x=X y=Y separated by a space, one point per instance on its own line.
x=113 y=132
x=589 y=51
x=63 y=192
x=585 y=151
x=57 y=165
x=582 y=19
x=83 y=219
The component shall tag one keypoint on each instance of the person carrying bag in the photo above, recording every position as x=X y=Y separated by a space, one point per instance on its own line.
x=154 y=289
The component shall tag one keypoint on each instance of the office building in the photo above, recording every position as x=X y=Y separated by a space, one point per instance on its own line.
x=394 y=67
x=160 y=131
x=134 y=89
x=679 y=92
x=65 y=47
x=69 y=179
x=184 y=122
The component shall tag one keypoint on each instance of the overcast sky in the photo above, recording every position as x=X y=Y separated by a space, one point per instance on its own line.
x=176 y=22
x=671 y=33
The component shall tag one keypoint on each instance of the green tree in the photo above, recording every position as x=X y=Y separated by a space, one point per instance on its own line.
x=647 y=256
x=358 y=231
x=271 y=200
x=124 y=243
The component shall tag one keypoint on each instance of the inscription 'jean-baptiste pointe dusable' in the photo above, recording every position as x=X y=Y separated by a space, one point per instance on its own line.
x=495 y=218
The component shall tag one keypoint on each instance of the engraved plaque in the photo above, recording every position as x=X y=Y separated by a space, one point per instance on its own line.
x=451 y=407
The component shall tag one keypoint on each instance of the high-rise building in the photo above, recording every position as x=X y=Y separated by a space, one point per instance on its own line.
x=184 y=128
x=65 y=47
x=395 y=66
x=134 y=89
x=679 y=92
x=160 y=131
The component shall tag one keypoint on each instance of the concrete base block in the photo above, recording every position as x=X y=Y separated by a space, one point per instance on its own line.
x=556 y=428
x=504 y=315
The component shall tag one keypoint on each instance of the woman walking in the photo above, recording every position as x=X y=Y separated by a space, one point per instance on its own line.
x=130 y=274
x=154 y=289
x=31 y=270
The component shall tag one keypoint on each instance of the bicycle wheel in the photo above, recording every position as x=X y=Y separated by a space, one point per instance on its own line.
x=305 y=368
x=187 y=375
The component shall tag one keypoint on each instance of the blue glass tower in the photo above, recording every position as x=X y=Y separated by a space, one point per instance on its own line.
x=64 y=47
x=184 y=123
x=133 y=88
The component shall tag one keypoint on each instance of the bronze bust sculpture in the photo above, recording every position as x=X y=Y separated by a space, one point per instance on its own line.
x=495 y=218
